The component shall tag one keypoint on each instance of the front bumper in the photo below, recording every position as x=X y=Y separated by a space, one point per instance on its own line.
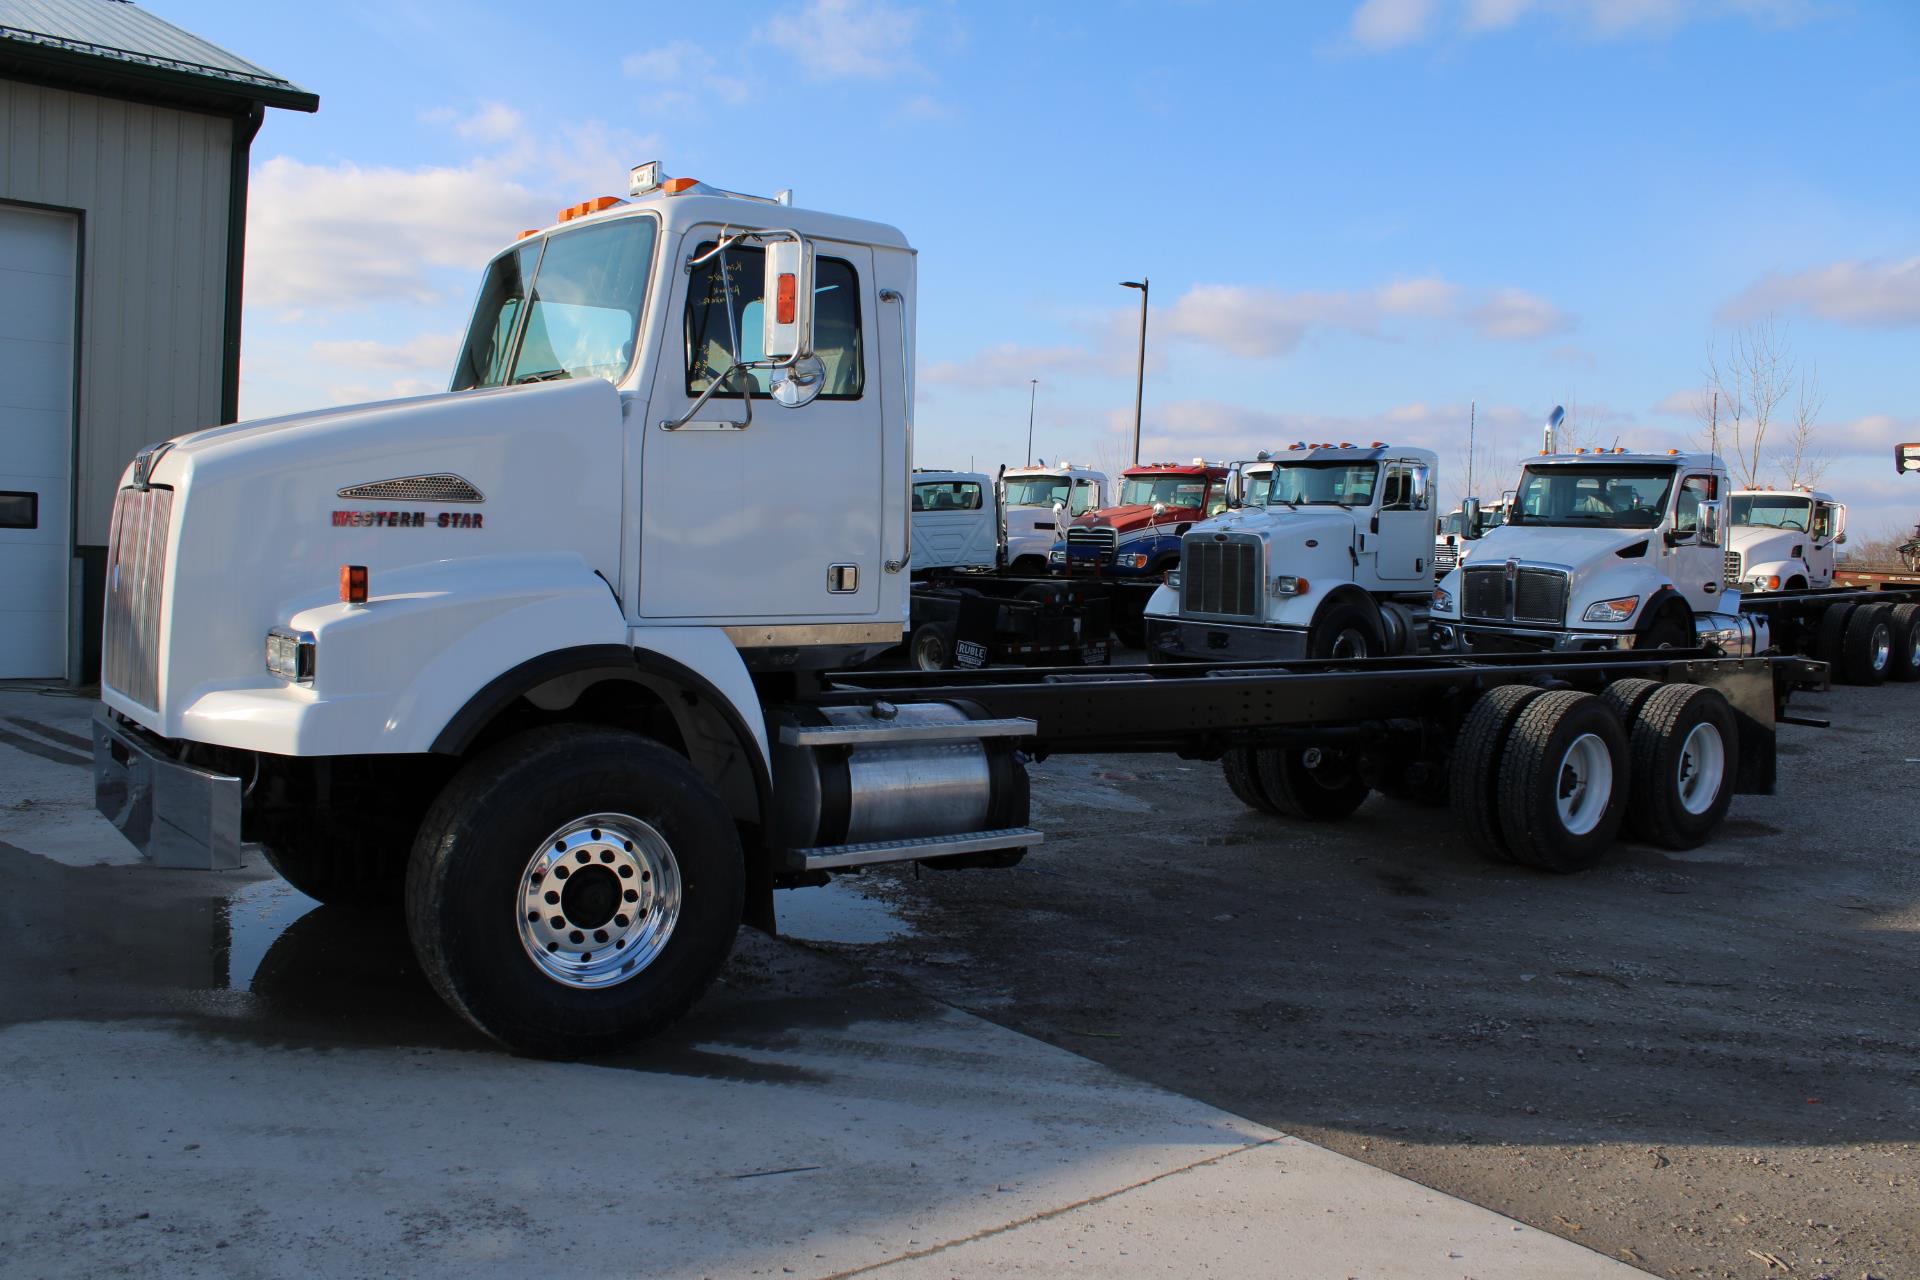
x=1176 y=639
x=1487 y=637
x=177 y=815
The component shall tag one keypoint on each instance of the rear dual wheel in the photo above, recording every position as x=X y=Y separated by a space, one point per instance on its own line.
x=1905 y=666
x=1562 y=788
x=1866 y=646
x=1685 y=745
x=1317 y=784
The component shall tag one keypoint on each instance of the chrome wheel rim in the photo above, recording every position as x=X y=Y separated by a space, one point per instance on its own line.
x=1913 y=653
x=927 y=654
x=1882 y=646
x=598 y=900
x=1350 y=643
x=1702 y=767
x=1584 y=783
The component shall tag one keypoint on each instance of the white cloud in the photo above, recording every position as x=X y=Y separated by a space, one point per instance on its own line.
x=422 y=352
x=1865 y=294
x=1388 y=24
x=849 y=39
x=1010 y=364
x=1257 y=322
x=673 y=71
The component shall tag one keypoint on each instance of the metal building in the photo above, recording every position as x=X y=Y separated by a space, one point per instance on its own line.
x=123 y=194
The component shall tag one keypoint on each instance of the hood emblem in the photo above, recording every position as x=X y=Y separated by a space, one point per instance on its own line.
x=440 y=486
x=1313 y=542
x=146 y=460
x=1513 y=569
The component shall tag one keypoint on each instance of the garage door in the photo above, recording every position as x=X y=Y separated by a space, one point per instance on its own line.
x=39 y=253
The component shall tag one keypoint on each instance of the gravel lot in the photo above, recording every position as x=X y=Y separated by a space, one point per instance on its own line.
x=1703 y=1063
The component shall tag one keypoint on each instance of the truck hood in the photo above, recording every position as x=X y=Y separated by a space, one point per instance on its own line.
x=1127 y=519
x=256 y=428
x=1538 y=544
x=1324 y=524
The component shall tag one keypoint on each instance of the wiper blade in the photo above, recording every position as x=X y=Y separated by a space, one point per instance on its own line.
x=545 y=375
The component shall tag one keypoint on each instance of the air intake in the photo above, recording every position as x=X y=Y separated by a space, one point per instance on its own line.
x=441 y=487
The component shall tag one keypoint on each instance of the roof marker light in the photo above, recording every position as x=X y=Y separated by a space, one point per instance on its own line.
x=1379 y=444
x=353 y=584
x=586 y=207
x=534 y=231
x=1344 y=444
x=1673 y=453
x=674 y=186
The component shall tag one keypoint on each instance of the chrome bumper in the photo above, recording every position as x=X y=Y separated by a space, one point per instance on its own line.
x=173 y=813
x=1452 y=637
x=1177 y=639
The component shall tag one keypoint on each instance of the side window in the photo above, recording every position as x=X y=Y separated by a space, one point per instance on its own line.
x=1398 y=493
x=946 y=495
x=1694 y=490
x=1084 y=497
x=1822 y=521
x=721 y=302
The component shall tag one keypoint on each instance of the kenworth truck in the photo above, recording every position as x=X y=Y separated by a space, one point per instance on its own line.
x=496 y=662
x=1329 y=556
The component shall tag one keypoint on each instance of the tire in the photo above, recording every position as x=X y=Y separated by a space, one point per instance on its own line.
x=930 y=647
x=1685 y=747
x=340 y=866
x=1905 y=666
x=1866 y=650
x=1796 y=583
x=1671 y=630
x=1347 y=629
x=1317 y=784
x=1474 y=770
x=1831 y=630
x=1563 y=782
x=1626 y=697
x=1243 y=779
x=499 y=833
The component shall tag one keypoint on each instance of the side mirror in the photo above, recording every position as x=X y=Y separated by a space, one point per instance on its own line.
x=1236 y=490
x=787 y=300
x=1159 y=509
x=1059 y=514
x=1842 y=538
x=1470 y=518
x=1710 y=524
x=1417 y=490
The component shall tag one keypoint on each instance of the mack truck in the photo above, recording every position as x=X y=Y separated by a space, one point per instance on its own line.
x=1783 y=539
x=494 y=664
x=1035 y=501
x=1328 y=556
x=1133 y=543
x=970 y=607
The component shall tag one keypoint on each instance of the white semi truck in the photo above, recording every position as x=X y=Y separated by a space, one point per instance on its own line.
x=1034 y=503
x=498 y=656
x=1329 y=555
x=1783 y=539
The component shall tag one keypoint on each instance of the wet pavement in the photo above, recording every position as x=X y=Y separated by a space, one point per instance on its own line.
x=211 y=1073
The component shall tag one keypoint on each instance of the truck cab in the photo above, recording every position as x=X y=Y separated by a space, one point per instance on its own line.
x=1030 y=501
x=1453 y=539
x=955 y=525
x=1601 y=549
x=1783 y=539
x=1330 y=555
x=1139 y=537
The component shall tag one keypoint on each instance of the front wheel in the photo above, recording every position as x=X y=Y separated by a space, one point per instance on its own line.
x=574 y=889
x=931 y=646
x=1348 y=629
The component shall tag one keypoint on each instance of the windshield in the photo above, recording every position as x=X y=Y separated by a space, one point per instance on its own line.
x=1036 y=491
x=1322 y=484
x=1175 y=491
x=1770 y=512
x=1601 y=497
x=566 y=306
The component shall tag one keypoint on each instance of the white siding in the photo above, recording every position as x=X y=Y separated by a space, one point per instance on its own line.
x=151 y=183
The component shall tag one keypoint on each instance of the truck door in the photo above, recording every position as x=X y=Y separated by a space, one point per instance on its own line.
x=1401 y=533
x=1829 y=522
x=762 y=522
x=1698 y=572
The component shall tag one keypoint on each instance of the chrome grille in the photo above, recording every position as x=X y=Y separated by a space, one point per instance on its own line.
x=1220 y=578
x=1446 y=557
x=1734 y=567
x=136 y=584
x=1485 y=595
x=1103 y=541
x=1540 y=595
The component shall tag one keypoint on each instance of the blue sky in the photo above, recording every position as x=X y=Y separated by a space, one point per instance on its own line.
x=1358 y=217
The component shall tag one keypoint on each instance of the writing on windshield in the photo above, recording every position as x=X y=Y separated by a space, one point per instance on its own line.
x=1329 y=484
x=1603 y=497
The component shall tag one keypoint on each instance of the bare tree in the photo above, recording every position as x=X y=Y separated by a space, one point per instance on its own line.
x=1801 y=461
x=1747 y=382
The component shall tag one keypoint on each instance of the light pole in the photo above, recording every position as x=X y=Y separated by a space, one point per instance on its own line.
x=1033 y=390
x=1140 y=374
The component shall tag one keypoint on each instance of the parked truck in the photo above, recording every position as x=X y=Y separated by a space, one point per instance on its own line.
x=1453 y=540
x=968 y=607
x=495 y=662
x=1033 y=501
x=1328 y=557
x=1783 y=539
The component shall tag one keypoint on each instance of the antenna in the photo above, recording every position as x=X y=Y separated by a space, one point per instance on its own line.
x=1473 y=413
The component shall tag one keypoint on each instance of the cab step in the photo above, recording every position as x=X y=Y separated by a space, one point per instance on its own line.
x=828 y=857
x=891 y=734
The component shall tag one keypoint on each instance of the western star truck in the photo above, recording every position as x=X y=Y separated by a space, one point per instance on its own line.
x=968 y=608
x=1328 y=557
x=497 y=663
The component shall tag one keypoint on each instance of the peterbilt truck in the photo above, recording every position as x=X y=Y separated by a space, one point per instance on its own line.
x=1783 y=539
x=495 y=663
x=1329 y=556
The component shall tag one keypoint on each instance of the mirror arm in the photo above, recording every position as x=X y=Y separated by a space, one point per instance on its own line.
x=746 y=400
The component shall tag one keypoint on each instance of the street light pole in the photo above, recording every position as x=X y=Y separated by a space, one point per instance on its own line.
x=1033 y=390
x=1140 y=372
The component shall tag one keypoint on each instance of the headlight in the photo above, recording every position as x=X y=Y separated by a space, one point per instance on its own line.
x=1442 y=600
x=291 y=655
x=1133 y=560
x=1769 y=582
x=1058 y=555
x=1611 y=610
x=1173 y=579
x=1288 y=585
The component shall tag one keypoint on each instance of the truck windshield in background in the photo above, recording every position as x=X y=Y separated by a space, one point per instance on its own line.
x=1331 y=484
x=1598 y=497
x=1037 y=491
x=1771 y=511
x=565 y=306
x=1175 y=491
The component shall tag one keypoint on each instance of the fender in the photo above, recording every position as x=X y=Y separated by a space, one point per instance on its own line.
x=1656 y=605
